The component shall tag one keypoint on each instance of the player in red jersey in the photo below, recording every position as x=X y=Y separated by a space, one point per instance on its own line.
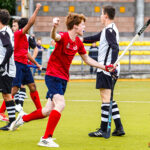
x=57 y=75
x=21 y=56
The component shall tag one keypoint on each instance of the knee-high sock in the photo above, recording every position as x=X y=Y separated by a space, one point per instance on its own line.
x=35 y=97
x=52 y=123
x=33 y=116
x=116 y=115
x=104 y=115
x=3 y=107
x=22 y=94
x=10 y=106
x=16 y=97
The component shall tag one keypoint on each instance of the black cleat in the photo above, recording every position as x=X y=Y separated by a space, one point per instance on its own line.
x=97 y=133
x=118 y=132
x=6 y=128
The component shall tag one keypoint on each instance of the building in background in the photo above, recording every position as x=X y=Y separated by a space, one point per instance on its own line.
x=126 y=15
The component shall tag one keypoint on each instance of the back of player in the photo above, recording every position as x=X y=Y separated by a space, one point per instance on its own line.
x=7 y=66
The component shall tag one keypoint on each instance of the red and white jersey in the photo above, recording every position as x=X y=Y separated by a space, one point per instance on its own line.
x=20 y=47
x=61 y=58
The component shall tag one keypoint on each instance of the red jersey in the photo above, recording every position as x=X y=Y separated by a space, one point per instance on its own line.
x=20 y=47
x=61 y=58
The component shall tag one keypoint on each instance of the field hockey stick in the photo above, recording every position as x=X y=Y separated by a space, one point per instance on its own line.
x=133 y=40
x=33 y=66
x=108 y=131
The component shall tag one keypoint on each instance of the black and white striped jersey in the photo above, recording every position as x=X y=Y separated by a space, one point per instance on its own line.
x=109 y=46
x=6 y=41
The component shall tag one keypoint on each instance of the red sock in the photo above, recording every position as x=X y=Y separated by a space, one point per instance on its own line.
x=34 y=115
x=52 y=122
x=35 y=97
x=3 y=107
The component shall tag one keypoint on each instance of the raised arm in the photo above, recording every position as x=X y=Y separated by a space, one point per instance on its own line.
x=54 y=35
x=32 y=19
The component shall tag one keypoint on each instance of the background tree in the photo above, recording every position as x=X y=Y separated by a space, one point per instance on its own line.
x=10 y=5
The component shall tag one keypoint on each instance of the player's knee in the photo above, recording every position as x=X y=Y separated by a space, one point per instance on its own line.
x=46 y=111
x=32 y=87
x=59 y=102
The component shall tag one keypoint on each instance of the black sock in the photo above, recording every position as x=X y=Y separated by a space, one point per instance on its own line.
x=116 y=115
x=10 y=106
x=104 y=116
x=22 y=94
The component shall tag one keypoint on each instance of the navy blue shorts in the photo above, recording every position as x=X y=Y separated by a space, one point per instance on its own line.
x=55 y=85
x=23 y=75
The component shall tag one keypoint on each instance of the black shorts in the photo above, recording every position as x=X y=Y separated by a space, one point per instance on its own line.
x=5 y=84
x=104 y=81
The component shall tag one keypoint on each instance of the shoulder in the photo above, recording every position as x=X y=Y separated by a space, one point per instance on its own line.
x=63 y=34
x=110 y=32
x=79 y=40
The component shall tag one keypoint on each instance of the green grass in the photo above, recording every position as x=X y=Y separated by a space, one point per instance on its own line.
x=81 y=117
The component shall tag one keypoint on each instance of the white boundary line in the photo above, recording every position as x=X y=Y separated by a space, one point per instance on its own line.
x=142 y=102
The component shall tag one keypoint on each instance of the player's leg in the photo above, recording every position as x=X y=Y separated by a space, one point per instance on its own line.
x=54 y=117
x=35 y=95
x=105 y=96
x=29 y=81
x=22 y=95
x=119 y=131
x=56 y=87
x=35 y=115
x=103 y=83
x=19 y=98
x=3 y=117
x=6 y=83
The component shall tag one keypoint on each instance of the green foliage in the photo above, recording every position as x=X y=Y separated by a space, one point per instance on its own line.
x=9 y=5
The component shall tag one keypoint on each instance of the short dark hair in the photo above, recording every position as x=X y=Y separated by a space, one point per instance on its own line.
x=15 y=21
x=110 y=11
x=22 y=22
x=4 y=16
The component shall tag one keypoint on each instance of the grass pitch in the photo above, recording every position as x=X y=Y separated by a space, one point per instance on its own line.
x=82 y=115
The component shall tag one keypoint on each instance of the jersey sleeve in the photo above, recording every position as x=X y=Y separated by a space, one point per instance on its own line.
x=62 y=34
x=4 y=36
x=81 y=50
x=112 y=42
x=91 y=39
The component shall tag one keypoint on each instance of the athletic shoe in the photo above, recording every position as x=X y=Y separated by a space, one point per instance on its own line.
x=97 y=133
x=6 y=128
x=18 y=122
x=47 y=142
x=3 y=117
x=18 y=108
x=118 y=132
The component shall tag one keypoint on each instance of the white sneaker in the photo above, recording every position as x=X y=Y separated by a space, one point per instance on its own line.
x=18 y=108
x=18 y=122
x=47 y=142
